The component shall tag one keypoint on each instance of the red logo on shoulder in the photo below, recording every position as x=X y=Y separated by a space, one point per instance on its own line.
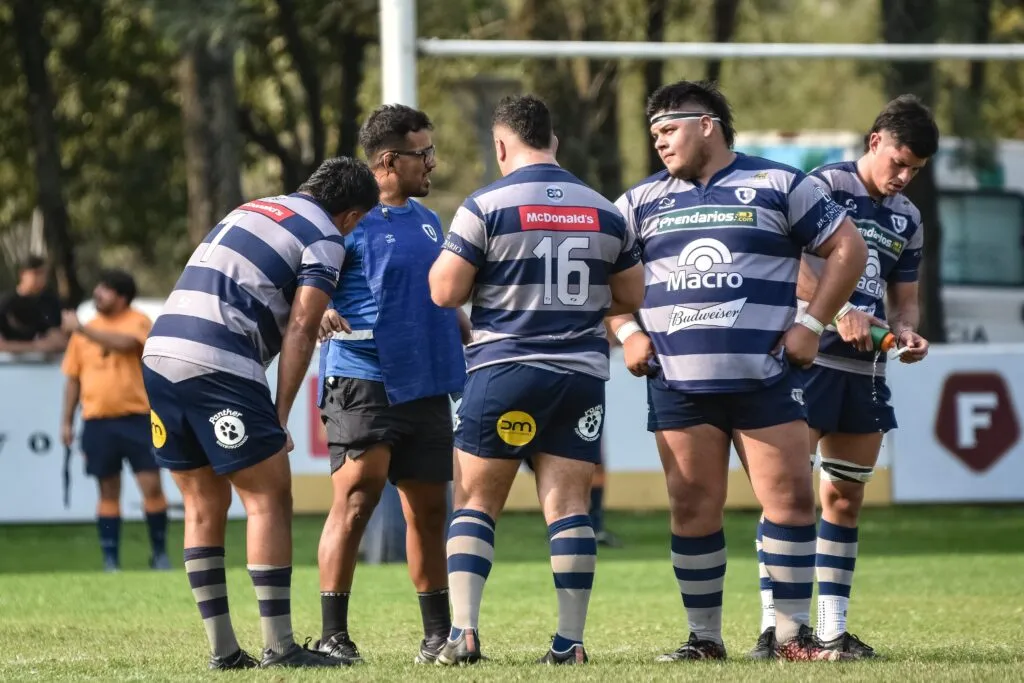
x=273 y=211
x=572 y=218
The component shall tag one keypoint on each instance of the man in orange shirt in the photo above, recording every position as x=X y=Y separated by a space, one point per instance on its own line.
x=104 y=371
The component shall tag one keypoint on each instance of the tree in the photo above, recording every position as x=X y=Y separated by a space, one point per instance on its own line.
x=914 y=21
x=723 y=27
x=33 y=48
x=654 y=69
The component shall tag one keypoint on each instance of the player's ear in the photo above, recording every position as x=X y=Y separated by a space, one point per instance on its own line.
x=499 y=149
x=874 y=140
x=554 y=144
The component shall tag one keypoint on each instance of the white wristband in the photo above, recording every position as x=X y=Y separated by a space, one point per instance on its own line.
x=625 y=330
x=847 y=307
x=811 y=323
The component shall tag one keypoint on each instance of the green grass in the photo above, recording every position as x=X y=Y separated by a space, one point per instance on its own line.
x=939 y=590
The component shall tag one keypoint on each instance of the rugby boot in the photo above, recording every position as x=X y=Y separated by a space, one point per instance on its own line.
x=574 y=655
x=339 y=646
x=462 y=651
x=239 y=660
x=849 y=643
x=299 y=656
x=429 y=647
x=807 y=648
x=765 y=648
x=695 y=648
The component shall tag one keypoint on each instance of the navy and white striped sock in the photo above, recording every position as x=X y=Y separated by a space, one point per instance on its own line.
x=789 y=553
x=573 y=562
x=699 y=564
x=205 y=569
x=834 y=564
x=470 y=554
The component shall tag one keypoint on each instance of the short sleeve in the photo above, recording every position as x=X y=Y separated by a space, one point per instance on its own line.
x=71 y=366
x=321 y=264
x=909 y=262
x=812 y=213
x=629 y=254
x=467 y=236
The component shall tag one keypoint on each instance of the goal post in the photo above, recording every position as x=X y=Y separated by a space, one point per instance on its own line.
x=400 y=46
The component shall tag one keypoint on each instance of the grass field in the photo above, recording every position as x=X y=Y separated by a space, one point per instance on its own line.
x=939 y=590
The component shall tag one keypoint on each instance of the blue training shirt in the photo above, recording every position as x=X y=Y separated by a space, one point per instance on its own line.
x=354 y=300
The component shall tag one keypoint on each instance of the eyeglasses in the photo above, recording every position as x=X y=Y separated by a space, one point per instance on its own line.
x=426 y=154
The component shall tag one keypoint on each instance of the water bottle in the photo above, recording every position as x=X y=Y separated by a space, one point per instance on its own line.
x=882 y=338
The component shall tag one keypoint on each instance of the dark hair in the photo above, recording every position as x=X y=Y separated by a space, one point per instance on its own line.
x=910 y=123
x=386 y=127
x=33 y=262
x=528 y=117
x=120 y=282
x=703 y=96
x=342 y=184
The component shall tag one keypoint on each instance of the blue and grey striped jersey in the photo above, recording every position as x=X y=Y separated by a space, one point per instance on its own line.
x=895 y=239
x=721 y=265
x=545 y=245
x=230 y=307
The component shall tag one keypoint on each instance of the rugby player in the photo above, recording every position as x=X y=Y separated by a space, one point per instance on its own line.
x=103 y=366
x=257 y=286
x=544 y=258
x=721 y=235
x=847 y=397
x=384 y=398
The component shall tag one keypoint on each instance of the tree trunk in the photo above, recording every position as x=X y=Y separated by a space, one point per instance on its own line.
x=33 y=49
x=654 y=69
x=722 y=30
x=206 y=78
x=352 y=49
x=914 y=21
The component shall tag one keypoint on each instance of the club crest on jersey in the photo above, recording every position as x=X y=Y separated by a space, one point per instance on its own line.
x=745 y=194
x=667 y=202
x=899 y=223
x=851 y=206
x=431 y=232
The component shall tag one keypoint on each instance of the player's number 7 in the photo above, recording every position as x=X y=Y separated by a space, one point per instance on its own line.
x=219 y=237
x=566 y=265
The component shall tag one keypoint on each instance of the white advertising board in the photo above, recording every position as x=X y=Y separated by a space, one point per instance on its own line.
x=959 y=436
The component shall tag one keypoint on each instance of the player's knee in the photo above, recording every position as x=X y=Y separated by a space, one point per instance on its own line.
x=842 y=500
x=357 y=507
x=693 y=503
x=430 y=512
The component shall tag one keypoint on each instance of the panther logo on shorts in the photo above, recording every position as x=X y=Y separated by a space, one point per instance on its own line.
x=589 y=426
x=229 y=429
x=516 y=428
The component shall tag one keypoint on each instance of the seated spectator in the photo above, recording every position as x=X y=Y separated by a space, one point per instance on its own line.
x=30 y=315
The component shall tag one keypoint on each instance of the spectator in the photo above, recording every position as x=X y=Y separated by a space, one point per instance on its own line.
x=30 y=315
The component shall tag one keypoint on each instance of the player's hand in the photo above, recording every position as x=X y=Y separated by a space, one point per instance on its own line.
x=916 y=345
x=67 y=434
x=855 y=328
x=69 y=322
x=331 y=323
x=800 y=345
x=638 y=352
x=289 y=445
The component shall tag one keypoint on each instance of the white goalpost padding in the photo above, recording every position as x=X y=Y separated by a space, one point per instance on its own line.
x=400 y=45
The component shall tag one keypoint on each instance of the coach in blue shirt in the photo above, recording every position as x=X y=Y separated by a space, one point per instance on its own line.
x=391 y=361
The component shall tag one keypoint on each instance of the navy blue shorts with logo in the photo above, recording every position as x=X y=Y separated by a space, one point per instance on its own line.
x=515 y=411
x=108 y=441
x=216 y=419
x=779 y=403
x=847 y=402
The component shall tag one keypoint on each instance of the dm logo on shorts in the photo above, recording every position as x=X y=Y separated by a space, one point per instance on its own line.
x=797 y=395
x=229 y=429
x=589 y=426
x=159 y=431
x=516 y=428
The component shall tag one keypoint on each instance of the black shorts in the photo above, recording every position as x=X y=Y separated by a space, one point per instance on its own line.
x=357 y=415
